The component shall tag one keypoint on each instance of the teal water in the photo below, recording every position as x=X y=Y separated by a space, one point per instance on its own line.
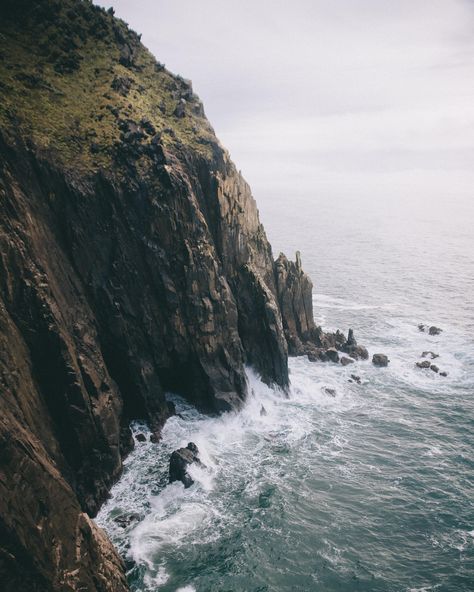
x=368 y=490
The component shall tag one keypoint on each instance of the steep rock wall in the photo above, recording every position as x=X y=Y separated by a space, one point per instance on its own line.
x=132 y=262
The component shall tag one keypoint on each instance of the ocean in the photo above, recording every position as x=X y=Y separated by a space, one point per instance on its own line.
x=341 y=486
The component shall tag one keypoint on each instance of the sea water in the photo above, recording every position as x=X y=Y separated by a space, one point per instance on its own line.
x=340 y=486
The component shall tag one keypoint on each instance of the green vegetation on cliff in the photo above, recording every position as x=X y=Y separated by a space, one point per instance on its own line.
x=77 y=83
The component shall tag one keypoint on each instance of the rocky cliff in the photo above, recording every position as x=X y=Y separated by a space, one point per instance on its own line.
x=132 y=263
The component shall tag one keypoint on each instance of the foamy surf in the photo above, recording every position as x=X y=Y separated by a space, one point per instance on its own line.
x=291 y=483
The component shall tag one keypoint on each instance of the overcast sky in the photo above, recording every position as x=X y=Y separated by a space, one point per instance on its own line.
x=328 y=97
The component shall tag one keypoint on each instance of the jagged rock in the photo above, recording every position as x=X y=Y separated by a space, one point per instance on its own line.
x=354 y=350
x=433 y=356
x=131 y=131
x=122 y=85
x=148 y=126
x=125 y=520
x=434 y=330
x=434 y=368
x=380 y=360
x=179 y=462
x=294 y=291
x=424 y=364
x=346 y=361
x=180 y=109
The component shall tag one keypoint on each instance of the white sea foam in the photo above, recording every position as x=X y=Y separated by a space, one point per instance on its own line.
x=244 y=455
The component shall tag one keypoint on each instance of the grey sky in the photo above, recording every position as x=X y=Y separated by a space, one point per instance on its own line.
x=367 y=97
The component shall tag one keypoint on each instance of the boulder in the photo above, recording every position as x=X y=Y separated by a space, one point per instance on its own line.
x=180 y=110
x=346 y=361
x=122 y=85
x=434 y=330
x=434 y=368
x=179 y=462
x=424 y=364
x=125 y=520
x=380 y=360
x=443 y=373
x=147 y=125
x=332 y=355
x=140 y=437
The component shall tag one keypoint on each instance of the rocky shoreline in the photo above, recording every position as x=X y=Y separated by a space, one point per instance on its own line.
x=132 y=263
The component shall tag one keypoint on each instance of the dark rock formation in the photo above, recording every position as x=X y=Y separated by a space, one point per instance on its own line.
x=434 y=330
x=132 y=262
x=179 y=462
x=352 y=348
x=140 y=438
x=294 y=291
x=345 y=361
x=443 y=374
x=380 y=360
x=332 y=355
x=434 y=368
x=355 y=378
x=125 y=520
x=424 y=364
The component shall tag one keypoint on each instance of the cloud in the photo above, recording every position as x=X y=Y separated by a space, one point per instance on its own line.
x=329 y=94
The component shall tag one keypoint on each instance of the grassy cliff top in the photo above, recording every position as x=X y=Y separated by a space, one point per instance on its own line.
x=77 y=83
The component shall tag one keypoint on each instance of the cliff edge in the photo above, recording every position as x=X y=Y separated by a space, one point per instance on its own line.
x=132 y=263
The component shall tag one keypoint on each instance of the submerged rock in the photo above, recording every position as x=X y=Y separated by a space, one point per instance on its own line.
x=444 y=373
x=180 y=461
x=355 y=378
x=424 y=364
x=380 y=360
x=330 y=391
x=345 y=361
x=421 y=327
x=125 y=520
x=425 y=354
x=263 y=411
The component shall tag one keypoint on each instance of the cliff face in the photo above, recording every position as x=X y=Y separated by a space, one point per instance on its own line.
x=132 y=262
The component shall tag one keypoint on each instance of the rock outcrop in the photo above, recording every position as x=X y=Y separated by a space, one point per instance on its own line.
x=380 y=360
x=132 y=262
x=180 y=461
